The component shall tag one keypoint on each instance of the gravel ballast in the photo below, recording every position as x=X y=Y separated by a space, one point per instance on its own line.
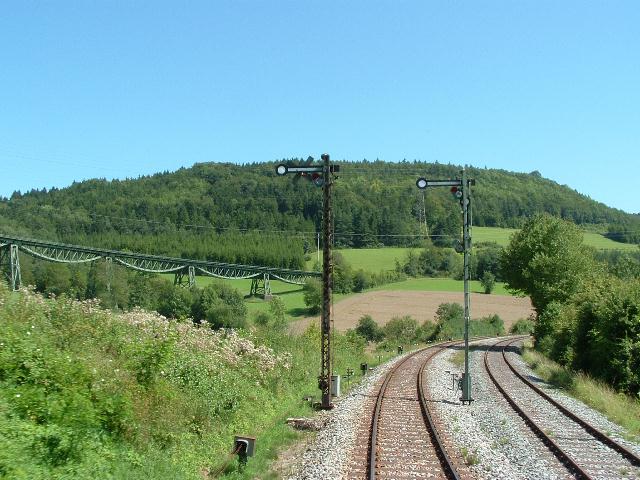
x=488 y=436
x=491 y=438
x=326 y=457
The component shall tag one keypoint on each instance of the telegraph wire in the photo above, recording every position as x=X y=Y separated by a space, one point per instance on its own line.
x=295 y=233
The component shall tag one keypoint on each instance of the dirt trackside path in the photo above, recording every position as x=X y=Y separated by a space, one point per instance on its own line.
x=385 y=304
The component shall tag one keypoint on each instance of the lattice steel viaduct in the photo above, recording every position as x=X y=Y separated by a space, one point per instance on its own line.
x=185 y=270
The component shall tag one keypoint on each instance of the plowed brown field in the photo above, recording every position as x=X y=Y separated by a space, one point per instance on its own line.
x=384 y=305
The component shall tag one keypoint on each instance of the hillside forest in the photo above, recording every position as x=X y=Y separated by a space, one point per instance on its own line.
x=97 y=384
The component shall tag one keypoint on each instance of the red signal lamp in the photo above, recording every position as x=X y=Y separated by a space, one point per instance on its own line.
x=317 y=179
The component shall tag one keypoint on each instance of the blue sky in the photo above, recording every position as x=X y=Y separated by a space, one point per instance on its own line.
x=119 y=89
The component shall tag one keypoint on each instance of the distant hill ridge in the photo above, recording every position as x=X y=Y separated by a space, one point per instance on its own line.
x=194 y=211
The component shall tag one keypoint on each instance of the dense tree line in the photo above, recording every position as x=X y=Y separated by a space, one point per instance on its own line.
x=246 y=213
x=588 y=312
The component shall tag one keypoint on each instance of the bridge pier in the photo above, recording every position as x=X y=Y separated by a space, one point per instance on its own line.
x=261 y=286
x=10 y=260
x=179 y=278
x=109 y=269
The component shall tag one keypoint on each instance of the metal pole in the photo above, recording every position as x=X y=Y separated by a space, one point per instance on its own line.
x=466 y=236
x=327 y=227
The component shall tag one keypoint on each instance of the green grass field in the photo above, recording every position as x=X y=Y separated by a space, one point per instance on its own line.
x=376 y=259
x=502 y=237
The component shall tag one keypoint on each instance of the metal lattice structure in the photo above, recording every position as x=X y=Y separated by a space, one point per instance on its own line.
x=185 y=270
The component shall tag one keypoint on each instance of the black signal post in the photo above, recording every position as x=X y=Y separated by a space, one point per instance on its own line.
x=322 y=176
x=461 y=190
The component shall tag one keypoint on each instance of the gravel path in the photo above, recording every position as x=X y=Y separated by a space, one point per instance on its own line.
x=326 y=457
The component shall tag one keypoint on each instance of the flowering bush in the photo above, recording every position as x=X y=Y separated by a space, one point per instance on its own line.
x=78 y=381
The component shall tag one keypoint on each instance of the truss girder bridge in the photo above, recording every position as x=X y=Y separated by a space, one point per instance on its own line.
x=185 y=270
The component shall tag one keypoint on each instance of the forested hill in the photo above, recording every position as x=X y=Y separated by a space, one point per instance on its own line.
x=199 y=211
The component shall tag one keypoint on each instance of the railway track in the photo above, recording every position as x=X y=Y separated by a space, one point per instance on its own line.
x=585 y=451
x=403 y=439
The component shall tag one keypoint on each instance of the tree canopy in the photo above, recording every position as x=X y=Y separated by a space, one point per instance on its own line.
x=547 y=260
x=248 y=214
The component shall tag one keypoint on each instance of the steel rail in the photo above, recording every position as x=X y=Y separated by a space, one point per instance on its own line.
x=564 y=458
x=608 y=441
x=447 y=464
x=445 y=460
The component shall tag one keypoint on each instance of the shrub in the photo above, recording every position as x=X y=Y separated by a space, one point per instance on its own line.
x=427 y=331
x=490 y=325
x=450 y=323
x=367 y=328
x=262 y=319
x=606 y=333
x=221 y=306
x=488 y=281
x=361 y=281
x=401 y=330
x=342 y=274
x=312 y=294
x=488 y=260
x=176 y=302
x=524 y=326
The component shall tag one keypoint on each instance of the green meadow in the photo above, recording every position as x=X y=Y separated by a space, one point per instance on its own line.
x=376 y=259
x=502 y=236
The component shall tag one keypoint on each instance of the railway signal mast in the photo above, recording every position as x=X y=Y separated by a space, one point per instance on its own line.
x=461 y=190
x=322 y=176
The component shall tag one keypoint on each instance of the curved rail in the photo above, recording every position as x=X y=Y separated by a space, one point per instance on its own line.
x=440 y=450
x=446 y=463
x=610 y=442
x=546 y=439
x=567 y=459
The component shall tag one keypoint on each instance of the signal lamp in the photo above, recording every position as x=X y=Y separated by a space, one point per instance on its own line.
x=317 y=179
x=281 y=169
x=421 y=183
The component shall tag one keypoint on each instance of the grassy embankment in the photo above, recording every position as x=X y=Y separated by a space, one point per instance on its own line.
x=86 y=393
